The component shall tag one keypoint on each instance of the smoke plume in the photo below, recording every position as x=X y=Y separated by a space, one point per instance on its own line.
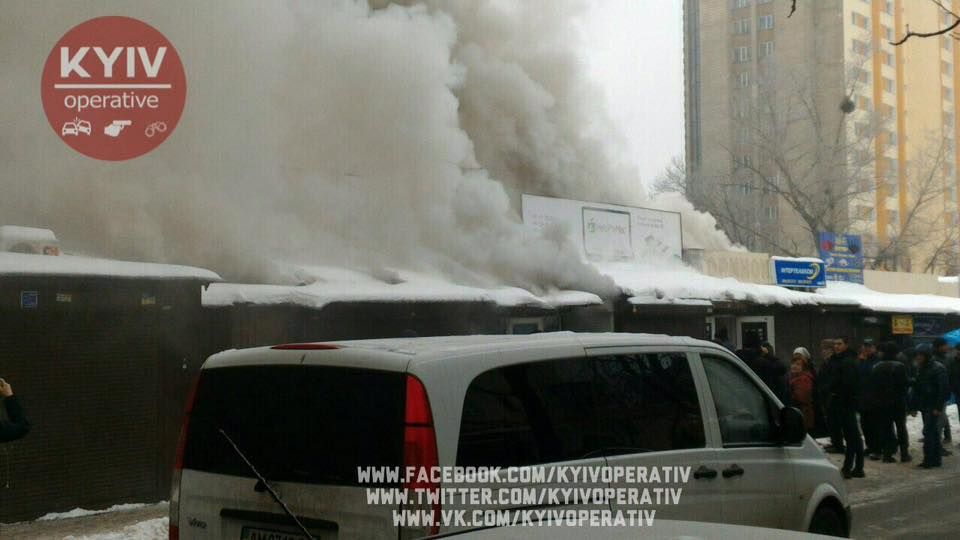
x=331 y=132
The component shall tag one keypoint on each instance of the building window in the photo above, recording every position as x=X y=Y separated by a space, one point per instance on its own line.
x=860 y=20
x=741 y=26
x=889 y=8
x=866 y=103
x=893 y=217
x=893 y=187
x=772 y=212
x=946 y=67
x=888 y=33
x=739 y=4
x=888 y=112
x=948 y=119
x=741 y=55
x=744 y=79
x=947 y=43
x=860 y=47
x=948 y=93
x=888 y=85
x=766 y=49
x=766 y=22
x=888 y=58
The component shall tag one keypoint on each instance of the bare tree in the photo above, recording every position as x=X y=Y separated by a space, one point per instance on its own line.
x=801 y=154
x=727 y=200
x=921 y=227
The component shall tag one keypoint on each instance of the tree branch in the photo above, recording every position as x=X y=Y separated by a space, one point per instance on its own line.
x=940 y=32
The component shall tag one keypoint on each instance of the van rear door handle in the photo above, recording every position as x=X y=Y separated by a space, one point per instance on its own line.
x=704 y=472
x=733 y=470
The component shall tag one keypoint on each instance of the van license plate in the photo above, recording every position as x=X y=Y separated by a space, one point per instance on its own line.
x=250 y=533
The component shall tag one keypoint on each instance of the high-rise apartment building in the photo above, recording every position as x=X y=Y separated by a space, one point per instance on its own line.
x=817 y=121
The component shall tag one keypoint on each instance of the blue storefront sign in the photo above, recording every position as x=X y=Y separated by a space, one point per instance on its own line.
x=806 y=273
x=842 y=256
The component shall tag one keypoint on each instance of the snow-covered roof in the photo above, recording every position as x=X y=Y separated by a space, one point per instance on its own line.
x=15 y=233
x=682 y=285
x=892 y=303
x=341 y=285
x=672 y=284
x=21 y=264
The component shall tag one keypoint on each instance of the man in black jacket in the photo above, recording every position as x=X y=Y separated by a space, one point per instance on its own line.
x=827 y=373
x=953 y=375
x=929 y=397
x=844 y=392
x=945 y=355
x=889 y=383
x=16 y=425
x=867 y=405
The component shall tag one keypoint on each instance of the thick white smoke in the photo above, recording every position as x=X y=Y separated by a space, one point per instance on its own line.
x=330 y=132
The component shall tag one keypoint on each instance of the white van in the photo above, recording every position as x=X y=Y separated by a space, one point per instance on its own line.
x=305 y=417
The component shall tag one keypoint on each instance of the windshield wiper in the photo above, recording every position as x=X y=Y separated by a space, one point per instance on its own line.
x=263 y=481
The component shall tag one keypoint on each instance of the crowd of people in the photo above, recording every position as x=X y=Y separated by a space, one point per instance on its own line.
x=860 y=396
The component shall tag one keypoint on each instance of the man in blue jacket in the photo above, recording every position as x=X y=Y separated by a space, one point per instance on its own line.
x=929 y=397
x=16 y=425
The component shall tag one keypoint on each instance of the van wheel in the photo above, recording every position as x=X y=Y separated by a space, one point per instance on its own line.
x=828 y=521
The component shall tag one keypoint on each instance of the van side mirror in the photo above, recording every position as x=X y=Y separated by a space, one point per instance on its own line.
x=792 y=430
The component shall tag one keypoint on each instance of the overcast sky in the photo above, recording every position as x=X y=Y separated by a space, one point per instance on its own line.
x=636 y=54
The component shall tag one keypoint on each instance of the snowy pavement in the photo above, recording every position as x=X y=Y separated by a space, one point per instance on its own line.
x=123 y=522
x=895 y=500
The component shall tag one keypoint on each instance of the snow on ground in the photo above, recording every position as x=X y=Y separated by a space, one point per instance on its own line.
x=72 y=265
x=151 y=529
x=81 y=512
x=125 y=521
x=888 y=481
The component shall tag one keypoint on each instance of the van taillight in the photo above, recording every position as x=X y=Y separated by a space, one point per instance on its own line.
x=178 y=464
x=420 y=443
x=185 y=426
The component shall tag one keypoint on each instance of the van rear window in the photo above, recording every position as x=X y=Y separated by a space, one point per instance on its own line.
x=305 y=424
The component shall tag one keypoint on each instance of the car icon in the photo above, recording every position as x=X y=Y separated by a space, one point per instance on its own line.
x=84 y=127
x=69 y=128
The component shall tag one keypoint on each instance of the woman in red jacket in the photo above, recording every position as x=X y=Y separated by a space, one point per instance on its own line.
x=801 y=385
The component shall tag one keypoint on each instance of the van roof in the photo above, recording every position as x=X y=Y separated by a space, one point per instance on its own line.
x=400 y=353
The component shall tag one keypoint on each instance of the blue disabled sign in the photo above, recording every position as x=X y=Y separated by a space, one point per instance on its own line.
x=807 y=273
x=29 y=299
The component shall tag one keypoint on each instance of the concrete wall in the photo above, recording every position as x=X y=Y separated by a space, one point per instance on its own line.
x=908 y=283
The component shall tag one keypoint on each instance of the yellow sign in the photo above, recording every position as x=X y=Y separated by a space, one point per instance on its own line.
x=902 y=324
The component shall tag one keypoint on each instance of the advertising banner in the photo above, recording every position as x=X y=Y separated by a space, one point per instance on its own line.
x=607 y=232
x=842 y=255
x=805 y=273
